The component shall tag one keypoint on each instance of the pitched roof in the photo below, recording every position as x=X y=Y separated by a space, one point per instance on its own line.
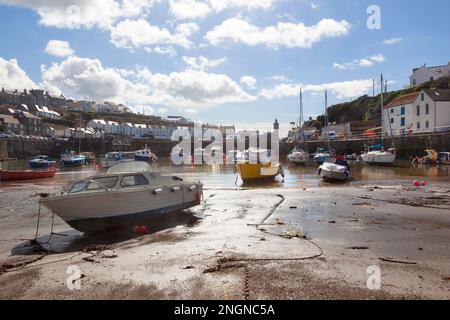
x=9 y=119
x=438 y=94
x=402 y=100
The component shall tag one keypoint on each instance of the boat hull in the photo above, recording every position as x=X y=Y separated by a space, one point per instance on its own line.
x=95 y=225
x=73 y=163
x=379 y=158
x=25 y=175
x=40 y=165
x=97 y=211
x=332 y=172
x=254 y=172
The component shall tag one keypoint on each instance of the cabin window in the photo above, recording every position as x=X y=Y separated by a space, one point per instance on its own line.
x=136 y=180
x=427 y=109
x=418 y=111
x=402 y=111
x=78 y=187
x=402 y=122
x=108 y=182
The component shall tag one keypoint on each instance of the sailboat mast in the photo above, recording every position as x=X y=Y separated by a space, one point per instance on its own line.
x=382 y=108
x=326 y=121
x=301 y=116
x=79 y=139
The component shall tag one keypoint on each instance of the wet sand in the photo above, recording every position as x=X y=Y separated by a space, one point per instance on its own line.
x=290 y=243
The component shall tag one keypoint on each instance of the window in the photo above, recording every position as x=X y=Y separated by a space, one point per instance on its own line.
x=392 y=110
x=422 y=96
x=108 y=182
x=392 y=120
x=402 y=111
x=78 y=187
x=402 y=121
x=137 y=180
x=427 y=124
x=427 y=109
x=418 y=111
x=418 y=125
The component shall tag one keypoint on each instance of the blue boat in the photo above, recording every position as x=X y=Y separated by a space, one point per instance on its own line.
x=145 y=155
x=72 y=159
x=39 y=162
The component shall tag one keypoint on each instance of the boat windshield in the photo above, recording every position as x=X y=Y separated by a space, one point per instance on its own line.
x=108 y=182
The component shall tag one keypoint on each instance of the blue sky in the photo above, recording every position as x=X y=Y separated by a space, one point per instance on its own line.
x=255 y=54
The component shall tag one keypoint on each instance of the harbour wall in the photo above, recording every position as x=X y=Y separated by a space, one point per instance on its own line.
x=23 y=149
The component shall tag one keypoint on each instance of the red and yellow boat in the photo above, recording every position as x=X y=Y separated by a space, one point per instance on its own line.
x=16 y=175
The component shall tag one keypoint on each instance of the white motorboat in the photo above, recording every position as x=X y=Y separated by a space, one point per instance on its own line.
x=113 y=158
x=127 y=194
x=334 y=172
x=145 y=155
x=298 y=157
x=379 y=156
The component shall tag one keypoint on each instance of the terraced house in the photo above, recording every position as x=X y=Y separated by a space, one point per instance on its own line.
x=421 y=112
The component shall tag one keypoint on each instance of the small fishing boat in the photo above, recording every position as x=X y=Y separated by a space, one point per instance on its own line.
x=444 y=157
x=377 y=155
x=113 y=158
x=431 y=158
x=145 y=155
x=72 y=159
x=321 y=156
x=254 y=165
x=16 y=175
x=334 y=171
x=39 y=162
x=89 y=156
x=127 y=194
x=298 y=157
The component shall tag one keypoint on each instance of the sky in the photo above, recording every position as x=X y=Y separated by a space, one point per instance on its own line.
x=237 y=62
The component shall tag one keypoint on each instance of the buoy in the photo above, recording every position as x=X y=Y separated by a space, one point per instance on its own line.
x=416 y=183
x=143 y=230
x=423 y=183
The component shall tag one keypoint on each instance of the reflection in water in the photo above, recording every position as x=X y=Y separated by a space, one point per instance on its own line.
x=224 y=176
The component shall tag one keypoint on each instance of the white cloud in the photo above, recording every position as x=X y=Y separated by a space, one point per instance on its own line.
x=280 y=78
x=59 y=48
x=193 y=89
x=249 y=81
x=289 y=35
x=73 y=14
x=188 y=29
x=360 y=63
x=13 y=77
x=196 y=9
x=164 y=51
x=202 y=63
x=189 y=9
x=314 y=5
x=392 y=41
x=345 y=89
x=133 y=34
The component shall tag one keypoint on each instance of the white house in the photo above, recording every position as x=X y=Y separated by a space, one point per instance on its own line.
x=98 y=124
x=47 y=113
x=423 y=74
x=420 y=112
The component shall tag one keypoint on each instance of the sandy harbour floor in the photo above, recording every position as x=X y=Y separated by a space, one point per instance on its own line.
x=314 y=243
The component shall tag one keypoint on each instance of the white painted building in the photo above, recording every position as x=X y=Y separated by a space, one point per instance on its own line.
x=47 y=113
x=424 y=74
x=421 y=112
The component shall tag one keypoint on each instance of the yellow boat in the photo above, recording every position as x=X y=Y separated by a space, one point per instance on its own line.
x=258 y=171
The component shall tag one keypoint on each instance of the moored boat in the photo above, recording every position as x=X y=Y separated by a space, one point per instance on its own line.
x=444 y=157
x=254 y=165
x=377 y=155
x=72 y=159
x=127 y=194
x=42 y=161
x=16 y=175
x=298 y=157
x=145 y=155
x=334 y=172
x=113 y=158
